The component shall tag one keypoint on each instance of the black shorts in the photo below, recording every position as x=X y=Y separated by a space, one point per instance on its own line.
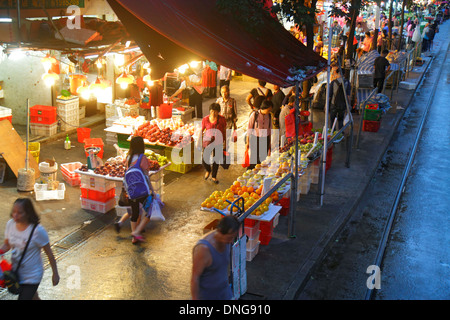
x=28 y=291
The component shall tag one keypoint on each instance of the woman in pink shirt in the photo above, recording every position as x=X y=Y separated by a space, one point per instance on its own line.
x=213 y=138
x=259 y=133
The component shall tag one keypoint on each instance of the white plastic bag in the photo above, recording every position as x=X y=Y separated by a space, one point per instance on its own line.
x=156 y=210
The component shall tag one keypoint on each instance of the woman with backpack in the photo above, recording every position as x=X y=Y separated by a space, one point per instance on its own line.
x=137 y=159
x=26 y=237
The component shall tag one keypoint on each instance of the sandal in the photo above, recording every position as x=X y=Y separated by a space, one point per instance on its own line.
x=215 y=180
x=206 y=177
x=137 y=239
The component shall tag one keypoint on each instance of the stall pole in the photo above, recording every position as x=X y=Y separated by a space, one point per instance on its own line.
x=349 y=112
x=294 y=181
x=327 y=106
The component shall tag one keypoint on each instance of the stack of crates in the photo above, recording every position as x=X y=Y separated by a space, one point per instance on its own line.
x=97 y=193
x=180 y=167
x=68 y=172
x=251 y=229
x=68 y=111
x=372 y=118
x=43 y=121
x=111 y=137
x=5 y=114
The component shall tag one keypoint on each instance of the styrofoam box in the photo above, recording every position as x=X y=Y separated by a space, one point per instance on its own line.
x=102 y=207
x=42 y=193
x=45 y=130
x=96 y=183
x=5 y=112
x=407 y=85
x=253 y=252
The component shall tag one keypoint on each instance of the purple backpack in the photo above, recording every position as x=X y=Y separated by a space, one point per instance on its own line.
x=136 y=182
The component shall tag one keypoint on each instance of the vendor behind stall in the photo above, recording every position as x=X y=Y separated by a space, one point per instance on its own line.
x=192 y=83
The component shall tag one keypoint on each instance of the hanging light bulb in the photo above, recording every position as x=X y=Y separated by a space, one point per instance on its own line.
x=97 y=87
x=124 y=80
x=100 y=63
x=48 y=61
x=84 y=91
x=49 y=78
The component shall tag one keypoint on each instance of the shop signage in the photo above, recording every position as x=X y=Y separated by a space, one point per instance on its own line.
x=38 y=4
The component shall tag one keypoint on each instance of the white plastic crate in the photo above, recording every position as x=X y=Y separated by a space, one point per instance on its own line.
x=252 y=242
x=111 y=120
x=42 y=193
x=96 y=183
x=253 y=252
x=46 y=130
x=82 y=113
x=69 y=123
x=69 y=113
x=102 y=207
x=251 y=232
x=72 y=103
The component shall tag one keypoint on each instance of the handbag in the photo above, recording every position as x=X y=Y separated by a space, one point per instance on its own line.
x=11 y=277
x=226 y=160
x=123 y=199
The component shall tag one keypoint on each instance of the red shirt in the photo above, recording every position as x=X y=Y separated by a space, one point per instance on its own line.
x=209 y=132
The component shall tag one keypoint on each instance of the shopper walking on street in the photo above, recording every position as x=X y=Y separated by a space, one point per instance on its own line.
x=259 y=134
x=338 y=105
x=260 y=90
x=228 y=108
x=24 y=225
x=213 y=141
x=210 y=262
x=136 y=156
x=224 y=76
x=277 y=101
x=381 y=65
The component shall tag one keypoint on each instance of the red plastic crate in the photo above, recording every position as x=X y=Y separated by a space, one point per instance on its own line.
x=373 y=106
x=94 y=142
x=250 y=222
x=43 y=114
x=371 y=126
x=266 y=227
x=97 y=195
x=7 y=118
x=265 y=239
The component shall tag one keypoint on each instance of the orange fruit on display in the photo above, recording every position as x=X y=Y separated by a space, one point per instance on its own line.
x=237 y=184
x=244 y=189
x=250 y=189
x=268 y=200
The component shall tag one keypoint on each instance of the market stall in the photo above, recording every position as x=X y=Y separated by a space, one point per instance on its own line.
x=254 y=185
